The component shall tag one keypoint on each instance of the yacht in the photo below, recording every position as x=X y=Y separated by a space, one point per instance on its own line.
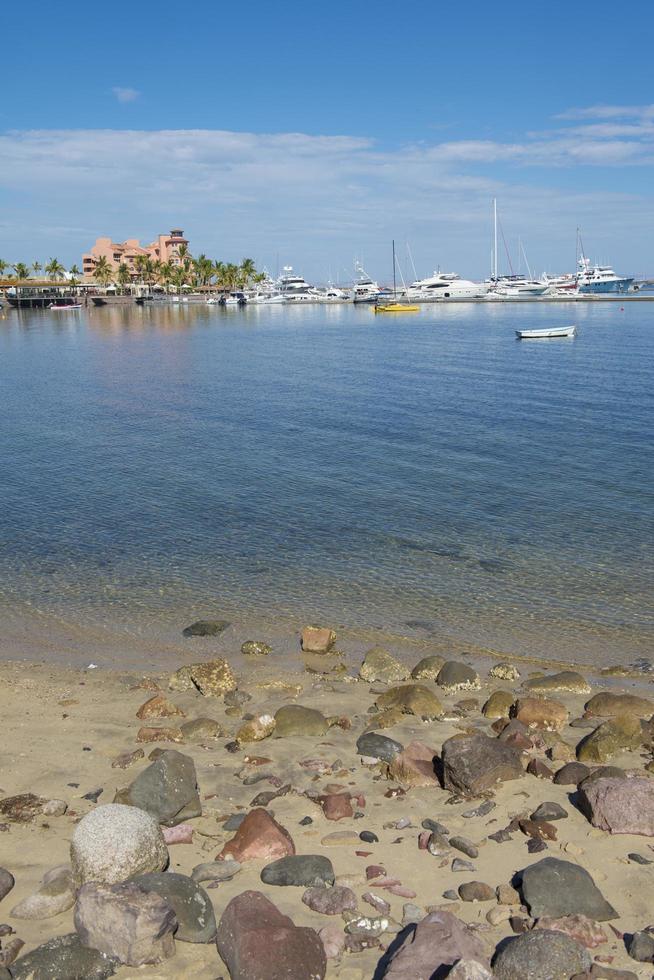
x=295 y=289
x=365 y=289
x=601 y=279
x=517 y=287
x=565 y=283
x=445 y=286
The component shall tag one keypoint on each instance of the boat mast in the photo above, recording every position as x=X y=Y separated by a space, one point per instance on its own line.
x=495 y=239
x=394 y=290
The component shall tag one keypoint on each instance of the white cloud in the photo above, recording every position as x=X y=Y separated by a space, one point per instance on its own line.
x=125 y=94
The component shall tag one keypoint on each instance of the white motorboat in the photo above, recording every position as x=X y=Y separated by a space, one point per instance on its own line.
x=565 y=283
x=365 y=289
x=295 y=289
x=546 y=334
x=445 y=286
x=601 y=279
x=518 y=287
x=65 y=306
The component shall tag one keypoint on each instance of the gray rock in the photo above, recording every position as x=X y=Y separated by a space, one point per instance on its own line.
x=64 y=957
x=641 y=946
x=307 y=870
x=215 y=871
x=440 y=940
x=555 y=888
x=378 y=746
x=330 y=901
x=55 y=895
x=469 y=970
x=475 y=763
x=202 y=729
x=476 y=891
x=257 y=942
x=549 y=811
x=457 y=676
x=571 y=774
x=541 y=955
x=295 y=719
x=125 y=922
x=7 y=882
x=458 y=864
x=114 y=842
x=206 y=627
x=167 y=789
x=427 y=669
x=234 y=822
x=465 y=846
x=435 y=826
x=379 y=665
x=196 y=922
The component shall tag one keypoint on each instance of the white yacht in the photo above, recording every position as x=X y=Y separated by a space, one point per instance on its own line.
x=365 y=289
x=517 y=287
x=565 y=283
x=445 y=286
x=295 y=289
x=601 y=279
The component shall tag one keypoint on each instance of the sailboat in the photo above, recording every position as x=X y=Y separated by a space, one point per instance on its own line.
x=395 y=307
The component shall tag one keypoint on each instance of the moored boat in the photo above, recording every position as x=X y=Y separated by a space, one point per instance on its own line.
x=547 y=333
x=65 y=306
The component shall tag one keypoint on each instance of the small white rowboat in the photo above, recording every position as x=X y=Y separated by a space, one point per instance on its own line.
x=546 y=334
x=65 y=306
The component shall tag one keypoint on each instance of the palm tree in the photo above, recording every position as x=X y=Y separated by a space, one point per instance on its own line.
x=36 y=268
x=165 y=274
x=124 y=276
x=178 y=277
x=74 y=273
x=103 y=271
x=183 y=252
x=247 y=271
x=204 y=270
x=3 y=267
x=55 y=270
x=22 y=271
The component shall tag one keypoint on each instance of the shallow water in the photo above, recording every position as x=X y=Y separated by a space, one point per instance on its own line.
x=423 y=475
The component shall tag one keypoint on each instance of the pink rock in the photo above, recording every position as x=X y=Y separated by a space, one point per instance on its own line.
x=377 y=902
x=333 y=940
x=316 y=639
x=621 y=806
x=181 y=834
x=579 y=927
x=423 y=840
x=401 y=890
x=259 y=837
x=439 y=940
x=414 y=766
x=336 y=806
x=374 y=871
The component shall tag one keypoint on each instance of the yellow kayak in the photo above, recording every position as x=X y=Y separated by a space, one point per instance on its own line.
x=396 y=308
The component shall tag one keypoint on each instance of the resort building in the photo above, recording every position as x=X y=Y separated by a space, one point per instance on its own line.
x=164 y=249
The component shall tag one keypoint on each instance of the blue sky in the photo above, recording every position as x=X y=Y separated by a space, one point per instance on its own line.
x=313 y=133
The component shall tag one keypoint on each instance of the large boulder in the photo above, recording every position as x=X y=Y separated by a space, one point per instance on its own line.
x=167 y=789
x=541 y=713
x=259 y=837
x=427 y=669
x=125 y=922
x=554 y=888
x=114 y=842
x=414 y=766
x=457 y=676
x=308 y=870
x=621 y=806
x=565 y=680
x=214 y=678
x=196 y=922
x=295 y=719
x=438 y=941
x=541 y=955
x=379 y=665
x=257 y=942
x=376 y=746
x=64 y=957
x=620 y=734
x=608 y=705
x=473 y=764
x=411 y=699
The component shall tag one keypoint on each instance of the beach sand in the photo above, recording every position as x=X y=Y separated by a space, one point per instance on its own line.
x=63 y=726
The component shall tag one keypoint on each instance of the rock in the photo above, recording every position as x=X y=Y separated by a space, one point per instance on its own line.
x=316 y=639
x=196 y=922
x=55 y=895
x=561 y=752
x=336 y=806
x=168 y=734
x=206 y=627
x=579 y=927
x=538 y=769
x=469 y=970
x=498 y=705
x=256 y=729
x=414 y=766
x=556 y=888
x=215 y=871
x=475 y=763
x=330 y=901
x=181 y=834
x=22 y=808
x=641 y=946
x=57 y=808
x=375 y=746
x=457 y=676
x=541 y=713
x=255 y=648
x=114 y=842
x=411 y=699
x=604 y=772
x=307 y=870
x=621 y=806
x=608 y=705
x=64 y=957
x=458 y=864
x=465 y=846
x=439 y=941
x=411 y=913
x=202 y=730
x=259 y=837
x=379 y=665
x=213 y=679
x=505 y=672
x=620 y=734
x=125 y=922
x=340 y=838
x=427 y=669
x=251 y=928
x=333 y=941
x=294 y=719
x=7 y=882
x=540 y=955
x=565 y=680
x=571 y=774
x=167 y=790
x=476 y=891
x=159 y=707
x=549 y=811
x=507 y=895
x=127 y=759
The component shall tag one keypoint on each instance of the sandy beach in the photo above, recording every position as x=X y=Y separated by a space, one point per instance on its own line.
x=66 y=726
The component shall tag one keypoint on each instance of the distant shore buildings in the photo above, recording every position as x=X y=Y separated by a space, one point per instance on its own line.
x=164 y=249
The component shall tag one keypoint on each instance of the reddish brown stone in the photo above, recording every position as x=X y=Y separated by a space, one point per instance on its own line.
x=316 y=639
x=159 y=707
x=539 y=769
x=579 y=927
x=336 y=806
x=259 y=837
x=414 y=766
x=541 y=713
x=538 y=829
x=159 y=735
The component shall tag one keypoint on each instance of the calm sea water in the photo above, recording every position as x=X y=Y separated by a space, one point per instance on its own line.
x=419 y=475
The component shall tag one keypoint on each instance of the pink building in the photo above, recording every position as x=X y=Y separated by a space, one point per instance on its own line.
x=165 y=249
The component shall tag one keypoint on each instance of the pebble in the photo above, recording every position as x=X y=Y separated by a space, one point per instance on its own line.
x=340 y=838
x=368 y=837
x=638 y=858
x=465 y=846
x=435 y=827
x=330 y=901
x=549 y=811
x=459 y=865
x=476 y=891
x=378 y=903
